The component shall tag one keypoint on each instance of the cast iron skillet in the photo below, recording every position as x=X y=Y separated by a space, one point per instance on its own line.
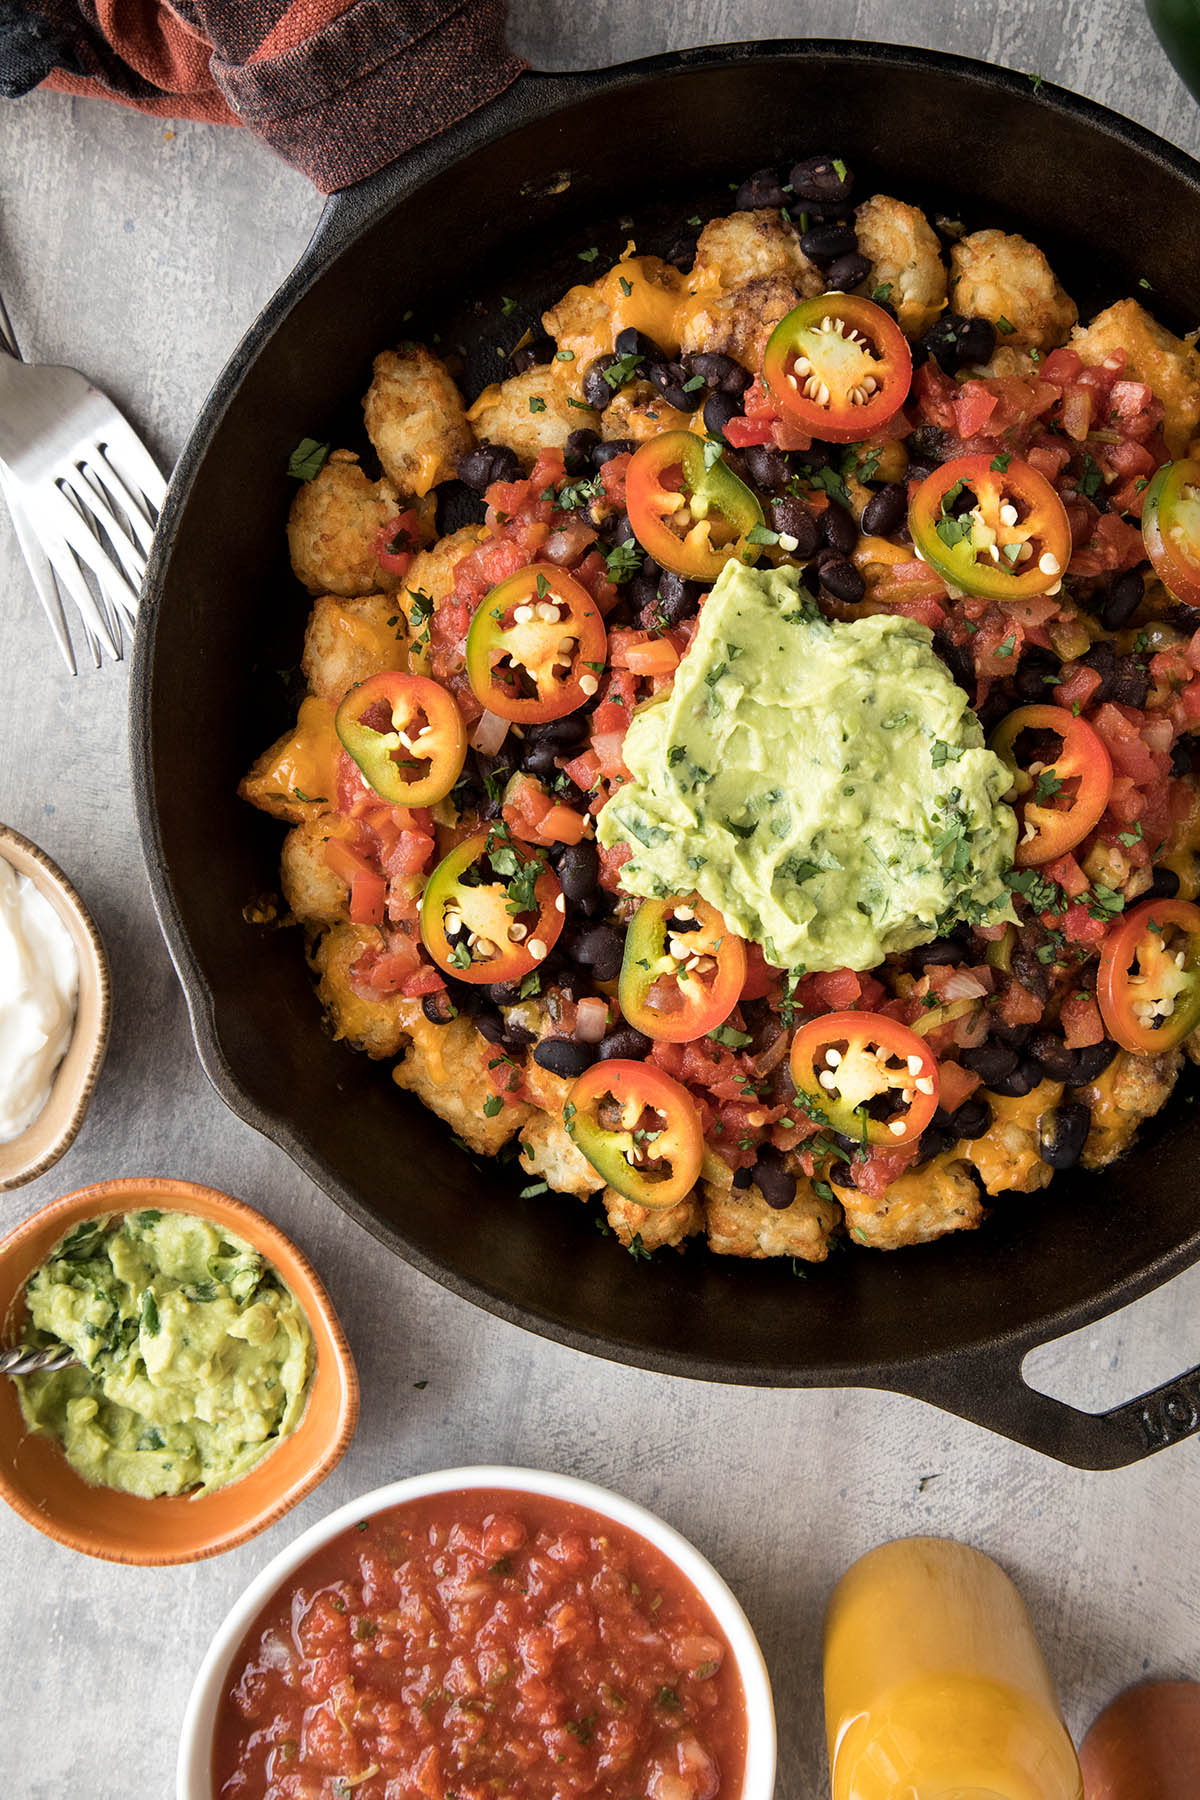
x=503 y=205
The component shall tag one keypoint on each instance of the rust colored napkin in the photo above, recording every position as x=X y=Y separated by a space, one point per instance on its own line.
x=338 y=87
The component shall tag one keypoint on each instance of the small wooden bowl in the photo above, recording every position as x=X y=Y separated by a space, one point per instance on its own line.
x=39 y=1483
x=52 y=1133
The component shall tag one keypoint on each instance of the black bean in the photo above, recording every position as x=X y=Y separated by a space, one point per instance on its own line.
x=682 y=252
x=723 y=374
x=671 y=379
x=1183 y=757
x=766 y=466
x=972 y=1119
x=1051 y=1054
x=935 y=1140
x=1024 y=1078
x=596 y=390
x=578 y=869
x=943 y=952
x=677 y=598
x=742 y=1178
x=600 y=949
x=928 y=444
x=1013 y=1037
x=992 y=1062
x=976 y=341
x=503 y=993
x=842 y=580
x=941 y=340
x=563 y=1056
x=632 y=342
x=775 y=1181
x=1131 y=684
x=886 y=510
x=616 y=529
x=847 y=272
x=816 y=182
x=838 y=529
x=1062 y=1134
x=487 y=463
x=565 y=733
x=791 y=518
x=824 y=244
x=1122 y=600
x=1164 y=884
x=763 y=188
x=1091 y=1061
x=1029 y=680
x=540 y=349
x=489 y=1023
x=438 y=1008
x=538 y=759
x=604 y=453
x=719 y=408
x=625 y=1042
x=957 y=659
x=1029 y=971
x=1103 y=659
x=579 y=450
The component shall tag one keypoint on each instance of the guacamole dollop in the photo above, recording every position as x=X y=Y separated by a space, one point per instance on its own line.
x=195 y=1359
x=824 y=785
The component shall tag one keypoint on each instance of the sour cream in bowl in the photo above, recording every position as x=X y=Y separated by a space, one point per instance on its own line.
x=54 y=1010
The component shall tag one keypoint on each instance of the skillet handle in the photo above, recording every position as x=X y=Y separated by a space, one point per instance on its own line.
x=530 y=97
x=989 y=1387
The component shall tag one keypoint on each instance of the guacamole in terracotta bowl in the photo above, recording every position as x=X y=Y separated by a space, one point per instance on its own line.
x=194 y=1359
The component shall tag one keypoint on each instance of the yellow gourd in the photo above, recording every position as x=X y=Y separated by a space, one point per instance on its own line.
x=935 y=1688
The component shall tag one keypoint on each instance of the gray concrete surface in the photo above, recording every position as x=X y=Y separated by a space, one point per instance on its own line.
x=139 y=252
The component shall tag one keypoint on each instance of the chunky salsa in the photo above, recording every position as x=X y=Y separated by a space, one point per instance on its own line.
x=478 y=1644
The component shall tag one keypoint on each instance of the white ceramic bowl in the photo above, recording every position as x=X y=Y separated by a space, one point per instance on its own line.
x=194 y=1770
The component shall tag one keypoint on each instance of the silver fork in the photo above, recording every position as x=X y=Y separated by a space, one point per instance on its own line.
x=84 y=494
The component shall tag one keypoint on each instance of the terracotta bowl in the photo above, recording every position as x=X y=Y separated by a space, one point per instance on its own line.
x=38 y=1482
x=194 y=1766
x=41 y=1144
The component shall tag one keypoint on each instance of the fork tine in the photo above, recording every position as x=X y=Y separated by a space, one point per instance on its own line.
x=99 y=512
x=70 y=524
x=134 y=466
x=40 y=573
x=69 y=572
x=129 y=507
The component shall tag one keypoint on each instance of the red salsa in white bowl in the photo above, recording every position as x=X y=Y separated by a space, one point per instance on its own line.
x=479 y=1632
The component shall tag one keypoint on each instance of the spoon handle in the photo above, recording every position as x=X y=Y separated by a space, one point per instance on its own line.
x=24 y=1362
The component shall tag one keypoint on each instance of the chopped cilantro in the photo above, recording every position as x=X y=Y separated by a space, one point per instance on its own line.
x=637 y=1249
x=942 y=753
x=730 y=1037
x=622 y=561
x=507 y=306
x=882 y=293
x=1005 y=325
x=1091 y=480
x=1008 y=646
x=626 y=287
x=1001 y=461
x=307 y=459
x=588 y=256
x=536 y=403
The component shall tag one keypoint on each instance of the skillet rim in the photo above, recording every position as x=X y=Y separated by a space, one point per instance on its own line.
x=950 y=1378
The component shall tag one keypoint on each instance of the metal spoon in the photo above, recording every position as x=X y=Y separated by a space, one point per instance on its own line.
x=23 y=1361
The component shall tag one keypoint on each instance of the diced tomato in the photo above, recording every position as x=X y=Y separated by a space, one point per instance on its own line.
x=1048 y=459
x=612 y=860
x=1114 y=544
x=1133 y=407
x=840 y=990
x=368 y=893
x=761 y=978
x=742 y=433
x=934 y=394
x=1078 y=410
x=1081 y=1021
x=974 y=405
x=1061 y=366
x=381 y=969
x=425 y=980
x=537 y=818
x=874 y=1174
x=641 y=653
x=955 y=1085
x=612 y=477
x=1078 y=685
x=1119 y=727
x=1018 y=1006
x=1080 y=927
x=583 y=770
x=1069 y=876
